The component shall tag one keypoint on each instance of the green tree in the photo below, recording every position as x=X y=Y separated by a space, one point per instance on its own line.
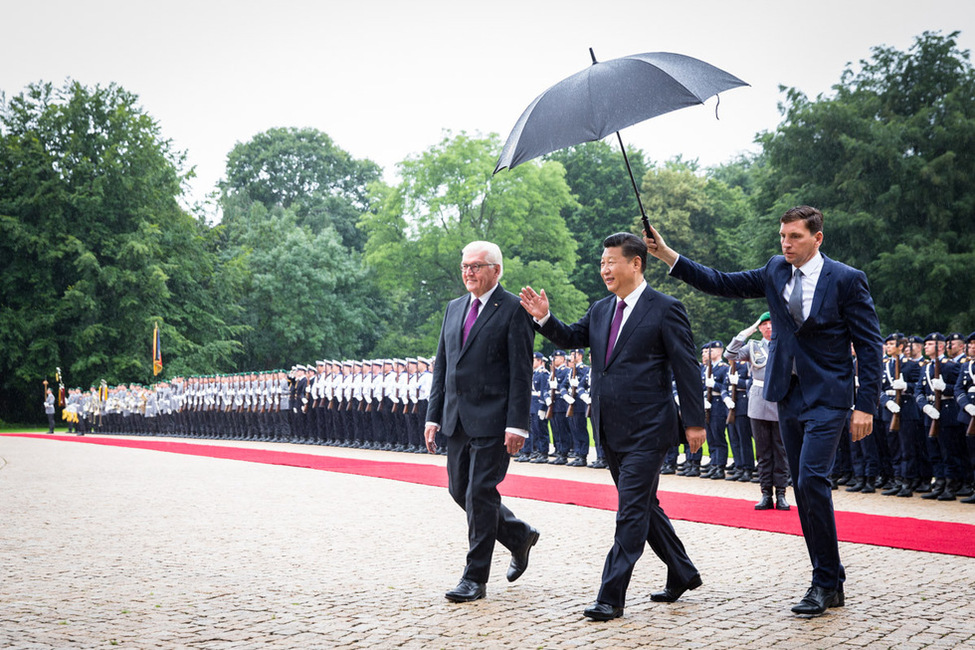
x=300 y=170
x=304 y=294
x=448 y=198
x=605 y=204
x=703 y=218
x=889 y=158
x=94 y=247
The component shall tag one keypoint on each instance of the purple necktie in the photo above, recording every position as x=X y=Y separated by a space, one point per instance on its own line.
x=614 y=329
x=471 y=317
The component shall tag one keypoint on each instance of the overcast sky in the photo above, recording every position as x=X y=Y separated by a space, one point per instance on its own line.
x=384 y=78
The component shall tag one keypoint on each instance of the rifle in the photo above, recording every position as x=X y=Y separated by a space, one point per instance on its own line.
x=572 y=391
x=396 y=396
x=734 y=396
x=936 y=424
x=895 y=420
x=709 y=394
x=552 y=395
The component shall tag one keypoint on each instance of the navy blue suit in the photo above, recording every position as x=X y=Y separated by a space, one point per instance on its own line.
x=634 y=416
x=814 y=403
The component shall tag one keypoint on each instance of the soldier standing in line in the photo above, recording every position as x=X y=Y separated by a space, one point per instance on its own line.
x=539 y=433
x=965 y=397
x=773 y=469
x=900 y=415
x=713 y=375
x=561 y=437
x=528 y=452
x=577 y=422
x=414 y=438
x=49 y=407
x=600 y=462
x=938 y=405
x=424 y=381
x=734 y=394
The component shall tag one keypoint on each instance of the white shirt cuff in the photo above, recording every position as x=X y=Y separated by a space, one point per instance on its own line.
x=517 y=432
x=541 y=323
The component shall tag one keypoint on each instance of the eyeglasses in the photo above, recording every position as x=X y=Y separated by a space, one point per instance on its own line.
x=476 y=268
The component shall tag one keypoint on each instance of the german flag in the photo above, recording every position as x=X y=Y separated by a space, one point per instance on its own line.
x=156 y=351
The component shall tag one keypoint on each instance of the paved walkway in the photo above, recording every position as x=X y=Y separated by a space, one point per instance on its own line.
x=107 y=547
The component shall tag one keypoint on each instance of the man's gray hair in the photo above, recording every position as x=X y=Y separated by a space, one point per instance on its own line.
x=493 y=253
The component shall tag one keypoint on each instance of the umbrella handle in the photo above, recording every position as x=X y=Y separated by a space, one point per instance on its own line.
x=643 y=213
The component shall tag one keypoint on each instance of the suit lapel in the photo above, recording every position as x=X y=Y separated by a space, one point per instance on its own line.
x=488 y=310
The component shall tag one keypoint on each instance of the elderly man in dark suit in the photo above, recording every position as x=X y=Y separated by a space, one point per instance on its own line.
x=639 y=339
x=819 y=307
x=480 y=399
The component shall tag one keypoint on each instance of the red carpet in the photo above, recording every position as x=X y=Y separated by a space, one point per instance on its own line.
x=878 y=530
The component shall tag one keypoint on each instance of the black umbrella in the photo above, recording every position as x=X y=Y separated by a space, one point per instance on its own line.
x=609 y=96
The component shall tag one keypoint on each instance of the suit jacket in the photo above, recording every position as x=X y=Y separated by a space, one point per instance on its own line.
x=484 y=385
x=632 y=399
x=842 y=313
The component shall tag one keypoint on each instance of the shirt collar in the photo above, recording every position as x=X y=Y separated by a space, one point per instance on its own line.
x=635 y=294
x=813 y=266
x=483 y=299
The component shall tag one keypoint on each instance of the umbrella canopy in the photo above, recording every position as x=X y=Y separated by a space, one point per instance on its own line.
x=609 y=96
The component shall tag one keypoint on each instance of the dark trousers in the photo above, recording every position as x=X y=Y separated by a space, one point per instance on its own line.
x=539 y=435
x=561 y=438
x=578 y=427
x=740 y=437
x=811 y=437
x=475 y=466
x=773 y=470
x=640 y=520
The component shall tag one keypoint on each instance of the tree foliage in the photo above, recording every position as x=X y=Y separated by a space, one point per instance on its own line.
x=448 y=198
x=94 y=248
x=301 y=170
x=889 y=158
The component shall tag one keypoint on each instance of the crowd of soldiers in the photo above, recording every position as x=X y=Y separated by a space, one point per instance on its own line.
x=923 y=440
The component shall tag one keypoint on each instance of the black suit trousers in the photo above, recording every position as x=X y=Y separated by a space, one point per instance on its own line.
x=475 y=467
x=640 y=520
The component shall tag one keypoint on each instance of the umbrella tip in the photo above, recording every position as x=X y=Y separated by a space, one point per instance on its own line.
x=592 y=55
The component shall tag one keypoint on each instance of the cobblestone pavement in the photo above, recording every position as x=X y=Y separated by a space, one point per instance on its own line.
x=105 y=546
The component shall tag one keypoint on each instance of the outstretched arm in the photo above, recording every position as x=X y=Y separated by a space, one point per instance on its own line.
x=657 y=247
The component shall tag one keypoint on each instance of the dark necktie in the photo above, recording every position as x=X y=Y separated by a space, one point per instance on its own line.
x=795 y=300
x=614 y=329
x=471 y=317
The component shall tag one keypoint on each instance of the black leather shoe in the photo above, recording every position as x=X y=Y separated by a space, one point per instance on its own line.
x=666 y=470
x=578 y=462
x=746 y=476
x=817 y=600
x=766 y=503
x=519 y=559
x=602 y=612
x=466 y=591
x=600 y=463
x=869 y=485
x=856 y=486
x=670 y=595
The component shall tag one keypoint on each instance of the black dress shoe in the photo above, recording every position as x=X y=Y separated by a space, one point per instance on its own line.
x=602 y=612
x=817 y=600
x=664 y=471
x=670 y=595
x=766 y=503
x=519 y=558
x=466 y=591
x=600 y=463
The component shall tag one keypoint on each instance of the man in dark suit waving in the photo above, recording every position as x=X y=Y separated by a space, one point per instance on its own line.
x=480 y=398
x=819 y=307
x=639 y=339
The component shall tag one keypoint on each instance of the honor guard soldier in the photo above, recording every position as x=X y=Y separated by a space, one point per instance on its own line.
x=734 y=394
x=946 y=437
x=560 y=428
x=713 y=372
x=539 y=382
x=575 y=415
x=965 y=397
x=901 y=417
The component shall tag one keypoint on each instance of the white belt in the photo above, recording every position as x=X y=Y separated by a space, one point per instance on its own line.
x=758 y=382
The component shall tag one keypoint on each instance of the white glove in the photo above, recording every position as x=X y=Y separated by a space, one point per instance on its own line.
x=730 y=403
x=938 y=383
x=676 y=399
x=707 y=405
x=709 y=382
x=573 y=381
x=892 y=406
x=970 y=409
x=586 y=399
x=898 y=384
x=552 y=383
x=856 y=381
x=931 y=412
x=414 y=399
x=548 y=401
x=304 y=400
x=733 y=378
x=569 y=399
x=541 y=415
